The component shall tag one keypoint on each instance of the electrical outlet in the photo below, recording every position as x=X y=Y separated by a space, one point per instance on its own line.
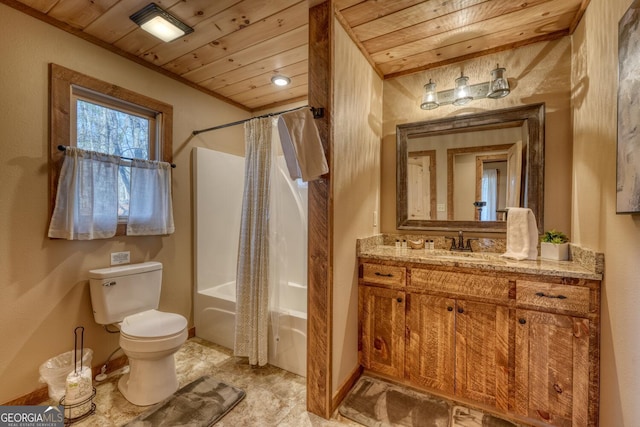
x=118 y=258
x=440 y=207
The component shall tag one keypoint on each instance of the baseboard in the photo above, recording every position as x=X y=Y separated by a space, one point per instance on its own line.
x=33 y=398
x=346 y=386
x=42 y=394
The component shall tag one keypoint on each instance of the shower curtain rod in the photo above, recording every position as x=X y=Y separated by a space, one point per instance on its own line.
x=318 y=113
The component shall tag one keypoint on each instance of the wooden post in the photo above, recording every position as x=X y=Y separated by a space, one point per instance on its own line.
x=320 y=244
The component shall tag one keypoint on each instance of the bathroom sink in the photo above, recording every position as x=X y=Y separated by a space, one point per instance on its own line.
x=466 y=257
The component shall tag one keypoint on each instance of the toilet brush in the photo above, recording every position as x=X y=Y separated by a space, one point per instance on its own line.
x=79 y=389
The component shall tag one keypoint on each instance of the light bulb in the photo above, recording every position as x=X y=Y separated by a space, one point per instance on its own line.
x=462 y=91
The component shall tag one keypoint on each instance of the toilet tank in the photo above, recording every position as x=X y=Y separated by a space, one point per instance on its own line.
x=117 y=292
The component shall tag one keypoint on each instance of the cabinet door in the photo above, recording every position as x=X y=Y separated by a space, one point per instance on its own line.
x=482 y=353
x=430 y=351
x=383 y=329
x=552 y=368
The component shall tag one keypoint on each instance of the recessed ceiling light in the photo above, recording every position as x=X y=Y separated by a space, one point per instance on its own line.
x=280 y=80
x=160 y=23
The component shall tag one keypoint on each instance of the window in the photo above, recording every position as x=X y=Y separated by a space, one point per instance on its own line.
x=106 y=125
x=98 y=116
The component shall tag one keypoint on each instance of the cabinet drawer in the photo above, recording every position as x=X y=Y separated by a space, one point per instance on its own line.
x=460 y=284
x=552 y=296
x=390 y=275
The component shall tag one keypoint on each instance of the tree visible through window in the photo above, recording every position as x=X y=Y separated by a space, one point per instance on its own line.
x=111 y=131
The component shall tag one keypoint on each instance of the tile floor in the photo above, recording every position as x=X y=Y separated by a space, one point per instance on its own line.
x=274 y=397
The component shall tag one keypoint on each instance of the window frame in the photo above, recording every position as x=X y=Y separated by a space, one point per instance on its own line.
x=63 y=83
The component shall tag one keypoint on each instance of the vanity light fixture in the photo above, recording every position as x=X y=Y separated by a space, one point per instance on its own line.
x=430 y=97
x=462 y=93
x=279 y=80
x=498 y=85
x=160 y=23
x=462 y=90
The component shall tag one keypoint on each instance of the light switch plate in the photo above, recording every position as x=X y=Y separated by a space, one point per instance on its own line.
x=118 y=258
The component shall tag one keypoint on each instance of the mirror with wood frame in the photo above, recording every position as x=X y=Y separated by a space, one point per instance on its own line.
x=464 y=172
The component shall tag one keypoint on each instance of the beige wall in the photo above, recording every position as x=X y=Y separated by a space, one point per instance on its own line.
x=357 y=110
x=538 y=73
x=43 y=283
x=594 y=221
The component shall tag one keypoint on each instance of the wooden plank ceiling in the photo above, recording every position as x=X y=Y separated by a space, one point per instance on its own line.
x=238 y=45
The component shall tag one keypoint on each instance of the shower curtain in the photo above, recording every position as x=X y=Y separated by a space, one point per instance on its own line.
x=259 y=251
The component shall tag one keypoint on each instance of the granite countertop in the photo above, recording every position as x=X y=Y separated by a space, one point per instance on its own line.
x=372 y=249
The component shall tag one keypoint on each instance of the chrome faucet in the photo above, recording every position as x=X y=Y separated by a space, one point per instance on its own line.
x=460 y=245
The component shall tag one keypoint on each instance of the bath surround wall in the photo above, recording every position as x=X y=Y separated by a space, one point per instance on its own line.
x=43 y=283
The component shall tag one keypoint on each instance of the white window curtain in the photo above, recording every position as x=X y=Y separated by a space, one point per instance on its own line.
x=489 y=194
x=87 y=197
x=150 y=206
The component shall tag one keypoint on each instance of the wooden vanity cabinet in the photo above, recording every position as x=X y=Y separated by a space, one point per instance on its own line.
x=524 y=345
x=556 y=352
x=383 y=329
x=431 y=341
x=552 y=368
x=461 y=321
x=482 y=353
x=459 y=347
x=382 y=319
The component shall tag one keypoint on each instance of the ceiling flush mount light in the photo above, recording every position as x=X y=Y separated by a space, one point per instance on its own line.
x=462 y=93
x=430 y=97
x=160 y=23
x=280 y=80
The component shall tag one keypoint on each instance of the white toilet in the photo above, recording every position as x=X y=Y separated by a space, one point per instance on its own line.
x=128 y=297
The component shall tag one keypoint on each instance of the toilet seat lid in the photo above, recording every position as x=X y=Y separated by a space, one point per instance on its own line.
x=153 y=324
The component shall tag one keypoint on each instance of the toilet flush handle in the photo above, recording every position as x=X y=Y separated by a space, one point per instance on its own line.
x=109 y=283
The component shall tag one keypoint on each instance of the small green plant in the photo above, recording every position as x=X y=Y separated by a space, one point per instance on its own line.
x=554 y=236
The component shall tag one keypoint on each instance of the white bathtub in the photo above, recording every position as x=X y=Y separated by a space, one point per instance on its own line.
x=215 y=321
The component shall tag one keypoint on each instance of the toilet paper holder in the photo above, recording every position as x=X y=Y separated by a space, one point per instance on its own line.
x=78 y=399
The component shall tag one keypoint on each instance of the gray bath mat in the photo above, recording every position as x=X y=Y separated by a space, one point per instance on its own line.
x=198 y=404
x=376 y=403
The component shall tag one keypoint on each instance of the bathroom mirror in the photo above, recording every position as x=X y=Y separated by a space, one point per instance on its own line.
x=464 y=172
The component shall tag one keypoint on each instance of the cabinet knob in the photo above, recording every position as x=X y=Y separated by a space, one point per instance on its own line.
x=399 y=299
x=449 y=308
x=460 y=310
x=522 y=321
